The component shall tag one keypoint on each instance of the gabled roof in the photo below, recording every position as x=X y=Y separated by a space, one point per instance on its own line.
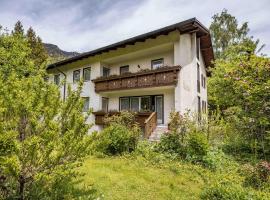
x=187 y=26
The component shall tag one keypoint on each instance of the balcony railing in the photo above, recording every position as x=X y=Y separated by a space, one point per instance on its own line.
x=163 y=76
x=146 y=120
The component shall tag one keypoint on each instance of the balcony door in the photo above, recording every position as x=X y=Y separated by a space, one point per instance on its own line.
x=159 y=109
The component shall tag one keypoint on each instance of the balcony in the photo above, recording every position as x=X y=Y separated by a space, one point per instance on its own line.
x=163 y=76
x=146 y=120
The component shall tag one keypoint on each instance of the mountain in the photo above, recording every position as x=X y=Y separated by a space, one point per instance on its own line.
x=55 y=52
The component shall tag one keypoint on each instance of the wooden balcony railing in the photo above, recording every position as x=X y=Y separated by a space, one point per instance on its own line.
x=150 y=78
x=150 y=124
x=146 y=120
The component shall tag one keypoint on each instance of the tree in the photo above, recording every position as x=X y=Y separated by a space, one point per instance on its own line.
x=239 y=85
x=42 y=138
x=39 y=54
x=226 y=32
x=18 y=29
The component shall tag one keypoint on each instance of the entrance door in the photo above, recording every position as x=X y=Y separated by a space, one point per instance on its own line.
x=159 y=108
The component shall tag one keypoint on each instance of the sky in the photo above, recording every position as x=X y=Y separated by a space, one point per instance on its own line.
x=84 y=25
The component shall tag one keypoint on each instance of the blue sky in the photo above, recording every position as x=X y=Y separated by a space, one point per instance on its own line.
x=83 y=25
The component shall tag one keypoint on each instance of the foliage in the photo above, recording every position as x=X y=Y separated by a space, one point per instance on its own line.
x=38 y=53
x=258 y=176
x=120 y=136
x=117 y=139
x=225 y=32
x=230 y=191
x=40 y=134
x=197 y=146
x=249 y=111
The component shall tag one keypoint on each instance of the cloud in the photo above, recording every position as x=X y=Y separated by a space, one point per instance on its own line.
x=84 y=25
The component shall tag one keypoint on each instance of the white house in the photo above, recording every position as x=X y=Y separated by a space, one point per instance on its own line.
x=152 y=74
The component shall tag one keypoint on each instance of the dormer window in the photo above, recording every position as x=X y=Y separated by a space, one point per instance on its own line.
x=157 y=63
x=76 y=76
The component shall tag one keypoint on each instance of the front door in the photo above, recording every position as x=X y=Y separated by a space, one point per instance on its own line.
x=159 y=108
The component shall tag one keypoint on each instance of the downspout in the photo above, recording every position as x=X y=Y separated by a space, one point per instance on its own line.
x=65 y=77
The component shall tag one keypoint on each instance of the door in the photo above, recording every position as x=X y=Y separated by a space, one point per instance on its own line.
x=159 y=109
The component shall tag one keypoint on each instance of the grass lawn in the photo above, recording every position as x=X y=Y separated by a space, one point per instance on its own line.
x=135 y=178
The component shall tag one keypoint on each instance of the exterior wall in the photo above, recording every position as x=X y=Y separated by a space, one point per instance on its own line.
x=203 y=93
x=185 y=56
x=144 y=62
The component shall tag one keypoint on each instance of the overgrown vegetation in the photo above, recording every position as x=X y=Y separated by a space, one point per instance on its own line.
x=43 y=139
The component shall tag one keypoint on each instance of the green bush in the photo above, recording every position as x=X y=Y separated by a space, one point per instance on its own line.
x=231 y=191
x=171 y=143
x=117 y=139
x=215 y=159
x=197 y=146
x=257 y=176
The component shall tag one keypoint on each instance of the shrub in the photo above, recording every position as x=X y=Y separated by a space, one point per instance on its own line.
x=117 y=139
x=171 y=142
x=197 y=146
x=215 y=159
x=257 y=176
x=230 y=191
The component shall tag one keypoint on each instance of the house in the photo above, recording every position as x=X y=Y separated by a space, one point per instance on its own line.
x=151 y=74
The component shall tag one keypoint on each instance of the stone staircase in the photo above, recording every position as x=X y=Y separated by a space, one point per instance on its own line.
x=160 y=129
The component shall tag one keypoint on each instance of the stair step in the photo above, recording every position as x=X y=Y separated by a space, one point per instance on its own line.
x=157 y=133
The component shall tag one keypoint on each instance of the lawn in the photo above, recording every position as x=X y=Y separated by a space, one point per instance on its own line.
x=135 y=178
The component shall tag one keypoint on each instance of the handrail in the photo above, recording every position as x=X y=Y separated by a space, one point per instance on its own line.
x=150 y=124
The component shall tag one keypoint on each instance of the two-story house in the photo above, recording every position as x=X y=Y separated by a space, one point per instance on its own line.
x=151 y=74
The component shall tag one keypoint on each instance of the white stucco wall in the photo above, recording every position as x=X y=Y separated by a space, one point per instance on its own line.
x=144 y=62
x=185 y=56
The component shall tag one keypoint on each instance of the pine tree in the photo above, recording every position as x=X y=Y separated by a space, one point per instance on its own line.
x=18 y=29
x=39 y=54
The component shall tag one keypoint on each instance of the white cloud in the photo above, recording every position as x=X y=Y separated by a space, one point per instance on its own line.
x=83 y=26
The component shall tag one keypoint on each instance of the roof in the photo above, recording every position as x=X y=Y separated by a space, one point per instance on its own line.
x=187 y=26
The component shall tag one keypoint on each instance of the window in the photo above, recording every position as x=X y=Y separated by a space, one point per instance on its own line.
x=204 y=82
x=87 y=74
x=57 y=79
x=76 y=76
x=145 y=103
x=124 y=103
x=124 y=69
x=198 y=78
x=199 y=108
x=106 y=72
x=85 y=104
x=105 y=104
x=135 y=104
x=157 y=63
x=204 y=107
x=198 y=48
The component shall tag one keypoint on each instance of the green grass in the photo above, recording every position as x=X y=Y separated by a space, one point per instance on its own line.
x=135 y=178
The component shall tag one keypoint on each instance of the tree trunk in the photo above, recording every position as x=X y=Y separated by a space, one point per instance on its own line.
x=21 y=187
